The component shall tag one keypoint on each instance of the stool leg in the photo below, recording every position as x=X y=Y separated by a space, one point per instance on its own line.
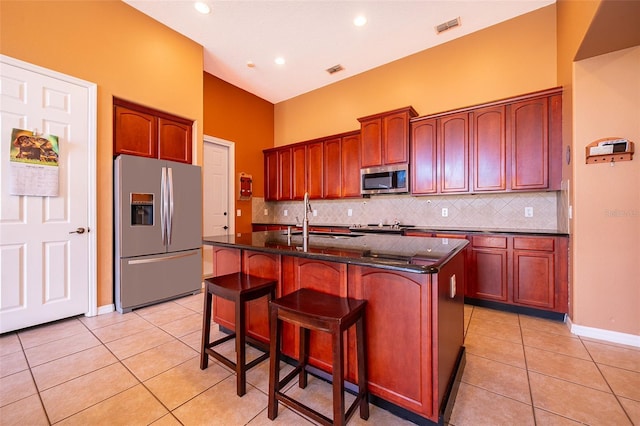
x=241 y=373
x=274 y=362
x=363 y=384
x=338 y=381
x=304 y=357
x=206 y=329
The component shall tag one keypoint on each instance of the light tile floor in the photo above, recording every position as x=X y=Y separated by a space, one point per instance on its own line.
x=143 y=368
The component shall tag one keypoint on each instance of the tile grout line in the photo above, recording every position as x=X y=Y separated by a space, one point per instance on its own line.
x=606 y=381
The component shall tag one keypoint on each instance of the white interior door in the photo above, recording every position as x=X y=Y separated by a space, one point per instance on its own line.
x=218 y=187
x=47 y=244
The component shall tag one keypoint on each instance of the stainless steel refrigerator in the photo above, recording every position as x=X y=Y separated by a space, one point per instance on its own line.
x=158 y=231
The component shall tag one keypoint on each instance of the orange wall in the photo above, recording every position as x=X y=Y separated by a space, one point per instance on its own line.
x=607 y=199
x=514 y=57
x=238 y=116
x=127 y=55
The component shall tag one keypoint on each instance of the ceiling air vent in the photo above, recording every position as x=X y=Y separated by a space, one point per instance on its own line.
x=448 y=25
x=334 y=69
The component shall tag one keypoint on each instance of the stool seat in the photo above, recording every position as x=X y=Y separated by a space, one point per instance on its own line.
x=238 y=288
x=312 y=310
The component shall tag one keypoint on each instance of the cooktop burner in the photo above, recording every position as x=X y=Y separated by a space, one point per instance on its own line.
x=393 y=229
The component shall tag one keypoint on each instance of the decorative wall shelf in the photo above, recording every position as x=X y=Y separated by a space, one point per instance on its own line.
x=609 y=150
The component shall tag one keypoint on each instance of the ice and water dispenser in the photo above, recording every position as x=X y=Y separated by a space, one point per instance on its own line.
x=141 y=209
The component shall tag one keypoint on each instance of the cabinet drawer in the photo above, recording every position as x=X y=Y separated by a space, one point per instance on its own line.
x=541 y=244
x=486 y=241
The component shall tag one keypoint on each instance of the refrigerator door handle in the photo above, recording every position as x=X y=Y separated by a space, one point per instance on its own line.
x=163 y=205
x=170 y=215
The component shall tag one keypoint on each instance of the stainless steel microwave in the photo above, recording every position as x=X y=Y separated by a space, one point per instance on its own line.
x=384 y=179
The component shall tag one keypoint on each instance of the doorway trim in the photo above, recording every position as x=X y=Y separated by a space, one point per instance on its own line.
x=92 y=119
x=231 y=208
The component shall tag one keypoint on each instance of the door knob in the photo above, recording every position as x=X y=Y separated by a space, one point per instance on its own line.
x=79 y=231
x=225 y=213
x=225 y=227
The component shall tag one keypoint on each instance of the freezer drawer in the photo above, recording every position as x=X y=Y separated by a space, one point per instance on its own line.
x=145 y=280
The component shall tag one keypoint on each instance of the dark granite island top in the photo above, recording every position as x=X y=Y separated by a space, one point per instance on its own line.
x=408 y=254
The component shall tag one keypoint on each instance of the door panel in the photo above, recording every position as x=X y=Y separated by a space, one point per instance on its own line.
x=215 y=182
x=138 y=175
x=46 y=267
x=186 y=225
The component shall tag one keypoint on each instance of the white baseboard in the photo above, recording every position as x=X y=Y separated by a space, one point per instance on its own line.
x=601 y=334
x=106 y=309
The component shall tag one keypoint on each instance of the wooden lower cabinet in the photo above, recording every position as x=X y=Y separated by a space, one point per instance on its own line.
x=414 y=324
x=528 y=271
x=524 y=270
x=265 y=265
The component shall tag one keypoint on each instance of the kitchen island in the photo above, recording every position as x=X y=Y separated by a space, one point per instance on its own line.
x=414 y=317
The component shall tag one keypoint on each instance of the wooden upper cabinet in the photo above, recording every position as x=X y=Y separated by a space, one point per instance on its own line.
x=315 y=168
x=174 y=140
x=285 y=167
x=271 y=175
x=299 y=171
x=385 y=137
x=453 y=145
x=424 y=157
x=332 y=170
x=529 y=128
x=145 y=132
x=350 y=165
x=489 y=149
x=134 y=133
x=371 y=143
x=395 y=141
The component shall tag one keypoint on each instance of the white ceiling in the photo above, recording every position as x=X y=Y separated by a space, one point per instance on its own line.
x=313 y=35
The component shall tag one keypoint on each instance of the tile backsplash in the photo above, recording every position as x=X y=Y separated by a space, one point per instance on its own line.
x=479 y=211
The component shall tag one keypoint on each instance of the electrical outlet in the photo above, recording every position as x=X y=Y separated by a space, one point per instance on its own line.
x=315 y=212
x=349 y=212
x=266 y=212
x=445 y=212
x=528 y=212
x=286 y=212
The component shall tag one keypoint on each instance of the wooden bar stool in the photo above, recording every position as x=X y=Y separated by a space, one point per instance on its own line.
x=239 y=288
x=312 y=310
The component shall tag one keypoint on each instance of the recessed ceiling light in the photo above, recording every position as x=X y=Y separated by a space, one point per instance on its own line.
x=279 y=60
x=202 y=7
x=359 y=21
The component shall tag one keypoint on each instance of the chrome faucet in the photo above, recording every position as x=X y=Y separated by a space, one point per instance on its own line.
x=305 y=219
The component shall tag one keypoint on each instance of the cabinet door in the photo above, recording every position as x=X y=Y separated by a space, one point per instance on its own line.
x=332 y=187
x=225 y=261
x=350 y=165
x=284 y=174
x=271 y=175
x=264 y=265
x=174 y=140
x=423 y=157
x=489 y=150
x=395 y=139
x=134 y=133
x=315 y=166
x=299 y=171
x=533 y=279
x=529 y=133
x=397 y=298
x=371 y=145
x=454 y=153
x=489 y=260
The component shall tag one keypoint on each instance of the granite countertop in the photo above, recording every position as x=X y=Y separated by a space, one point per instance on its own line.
x=435 y=229
x=407 y=254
